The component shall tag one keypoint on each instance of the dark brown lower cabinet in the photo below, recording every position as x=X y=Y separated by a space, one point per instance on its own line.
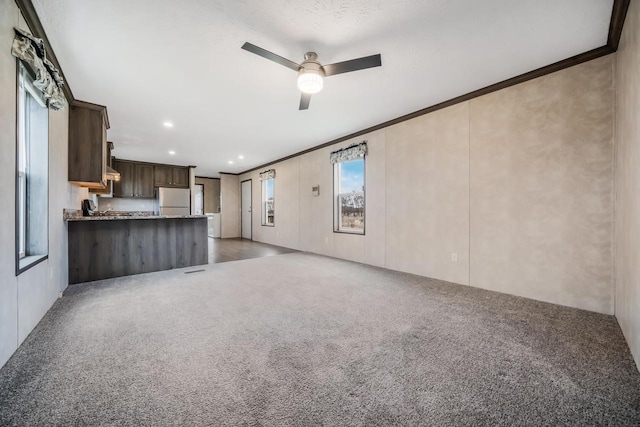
x=101 y=249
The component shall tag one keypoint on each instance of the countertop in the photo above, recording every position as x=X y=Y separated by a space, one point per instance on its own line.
x=126 y=217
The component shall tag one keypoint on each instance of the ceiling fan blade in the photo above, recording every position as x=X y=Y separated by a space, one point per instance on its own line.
x=271 y=56
x=352 y=65
x=305 y=99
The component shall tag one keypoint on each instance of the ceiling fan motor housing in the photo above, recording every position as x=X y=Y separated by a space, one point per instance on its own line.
x=311 y=64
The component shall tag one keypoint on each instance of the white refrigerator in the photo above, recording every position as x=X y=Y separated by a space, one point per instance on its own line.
x=174 y=201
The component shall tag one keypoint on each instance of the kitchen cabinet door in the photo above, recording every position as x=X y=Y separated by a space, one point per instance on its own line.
x=163 y=175
x=87 y=152
x=171 y=176
x=181 y=177
x=125 y=187
x=144 y=180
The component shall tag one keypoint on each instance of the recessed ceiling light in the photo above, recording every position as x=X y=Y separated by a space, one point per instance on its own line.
x=172 y=152
x=241 y=157
x=230 y=162
x=168 y=124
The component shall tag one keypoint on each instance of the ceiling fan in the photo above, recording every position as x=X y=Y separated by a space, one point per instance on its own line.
x=311 y=72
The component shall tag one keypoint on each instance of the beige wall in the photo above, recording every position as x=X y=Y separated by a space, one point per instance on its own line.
x=627 y=202
x=286 y=205
x=211 y=193
x=541 y=188
x=427 y=206
x=230 y=206
x=517 y=183
x=26 y=298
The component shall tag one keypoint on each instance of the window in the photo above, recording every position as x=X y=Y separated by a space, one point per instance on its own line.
x=349 y=196
x=32 y=174
x=268 y=208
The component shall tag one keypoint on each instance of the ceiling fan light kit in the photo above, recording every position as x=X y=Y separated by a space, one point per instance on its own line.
x=310 y=82
x=311 y=73
x=310 y=76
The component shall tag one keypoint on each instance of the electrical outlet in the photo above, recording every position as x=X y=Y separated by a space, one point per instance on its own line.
x=454 y=257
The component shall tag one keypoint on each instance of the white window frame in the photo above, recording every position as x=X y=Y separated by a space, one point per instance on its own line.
x=21 y=166
x=265 y=204
x=338 y=196
x=27 y=93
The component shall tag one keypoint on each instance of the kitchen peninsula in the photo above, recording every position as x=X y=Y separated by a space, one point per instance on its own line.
x=102 y=247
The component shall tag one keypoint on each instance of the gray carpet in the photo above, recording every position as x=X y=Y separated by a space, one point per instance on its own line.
x=300 y=339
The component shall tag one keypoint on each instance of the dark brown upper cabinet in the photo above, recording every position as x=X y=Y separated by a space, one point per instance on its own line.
x=163 y=175
x=136 y=180
x=171 y=176
x=88 y=124
x=124 y=187
x=144 y=180
x=139 y=179
x=181 y=177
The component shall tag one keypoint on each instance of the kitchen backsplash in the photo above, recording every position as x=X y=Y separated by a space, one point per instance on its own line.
x=132 y=205
x=75 y=195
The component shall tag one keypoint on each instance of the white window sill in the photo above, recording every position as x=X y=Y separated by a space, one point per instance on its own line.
x=349 y=231
x=29 y=261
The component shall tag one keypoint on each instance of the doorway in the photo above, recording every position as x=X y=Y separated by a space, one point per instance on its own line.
x=246 y=209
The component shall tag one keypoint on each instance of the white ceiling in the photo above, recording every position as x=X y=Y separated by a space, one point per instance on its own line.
x=151 y=61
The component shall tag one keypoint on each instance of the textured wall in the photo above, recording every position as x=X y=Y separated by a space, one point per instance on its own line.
x=541 y=188
x=26 y=298
x=316 y=212
x=286 y=196
x=627 y=203
x=305 y=222
x=39 y=287
x=8 y=286
x=230 y=206
x=428 y=195
x=286 y=187
x=517 y=183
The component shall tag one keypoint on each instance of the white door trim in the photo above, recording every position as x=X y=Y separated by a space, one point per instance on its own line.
x=246 y=215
